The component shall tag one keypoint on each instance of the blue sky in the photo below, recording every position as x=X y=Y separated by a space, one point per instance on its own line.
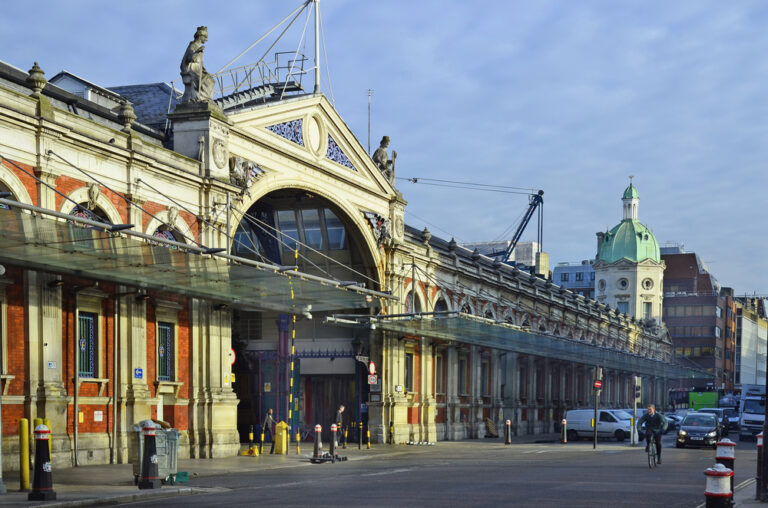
x=569 y=97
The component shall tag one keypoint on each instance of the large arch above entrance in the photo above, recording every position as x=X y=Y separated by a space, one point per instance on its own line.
x=331 y=241
x=334 y=241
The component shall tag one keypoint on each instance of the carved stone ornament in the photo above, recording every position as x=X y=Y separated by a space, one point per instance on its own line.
x=219 y=153
x=173 y=214
x=93 y=195
x=381 y=228
x=243 y=172
x=198 y=83
x=36 y=79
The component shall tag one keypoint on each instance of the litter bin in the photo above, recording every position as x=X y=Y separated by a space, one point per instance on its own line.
x=281 y=438
x=167 y=442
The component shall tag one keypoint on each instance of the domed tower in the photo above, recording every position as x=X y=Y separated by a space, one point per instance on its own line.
x=629 y=272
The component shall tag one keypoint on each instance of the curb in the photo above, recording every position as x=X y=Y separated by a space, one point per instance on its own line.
x=136 y=496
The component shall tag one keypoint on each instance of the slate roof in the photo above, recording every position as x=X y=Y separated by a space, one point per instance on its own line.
x=150 y=101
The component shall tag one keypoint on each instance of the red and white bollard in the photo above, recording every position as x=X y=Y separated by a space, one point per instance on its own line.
x=564 y=425
x=333 y=442
x=718 y=490
x=150 y=476
x=42 y=487
x=317 y=455
x=726 y=455
x=508 y=432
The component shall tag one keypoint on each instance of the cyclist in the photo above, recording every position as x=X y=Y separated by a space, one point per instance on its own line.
x=655 y=425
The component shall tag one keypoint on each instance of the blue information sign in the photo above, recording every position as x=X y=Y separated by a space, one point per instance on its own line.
x=138 y=373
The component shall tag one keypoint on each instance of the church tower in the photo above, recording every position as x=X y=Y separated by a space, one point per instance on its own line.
x=629 y=272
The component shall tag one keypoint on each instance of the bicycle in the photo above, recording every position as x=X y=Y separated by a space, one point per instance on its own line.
x=651 y=452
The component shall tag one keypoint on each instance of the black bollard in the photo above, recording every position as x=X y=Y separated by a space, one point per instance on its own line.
x=42 y=486
x=150 y=475
x=333 y=442
x=391 y=432
x=317 y=455
x=564 y=431
x=360 y=435
x=508 y=432
x=759 y=478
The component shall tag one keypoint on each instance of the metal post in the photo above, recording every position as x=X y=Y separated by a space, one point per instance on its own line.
x=23 y=454
x=594 y=429
x=764 y=492
x=76 y=380
x=759 y=477
x=369 y=120
x=3 y=489
x=317 y=46
x=229 y=235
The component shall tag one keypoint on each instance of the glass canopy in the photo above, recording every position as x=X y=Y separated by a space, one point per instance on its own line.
x=49 y=243
x=467 y=329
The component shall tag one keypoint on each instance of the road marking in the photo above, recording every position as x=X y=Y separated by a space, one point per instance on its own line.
x=393 y=471
x=745 y=483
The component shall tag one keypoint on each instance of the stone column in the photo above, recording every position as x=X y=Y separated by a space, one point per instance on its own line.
x=427 y=428
x=453 y=414
x=533 y=414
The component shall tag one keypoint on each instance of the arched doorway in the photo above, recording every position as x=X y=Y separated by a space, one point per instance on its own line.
x=326 y=373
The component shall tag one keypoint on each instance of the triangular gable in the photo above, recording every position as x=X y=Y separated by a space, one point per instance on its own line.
x=311 y=130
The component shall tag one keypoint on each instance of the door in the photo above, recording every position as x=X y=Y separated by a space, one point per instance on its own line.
x=606 y=424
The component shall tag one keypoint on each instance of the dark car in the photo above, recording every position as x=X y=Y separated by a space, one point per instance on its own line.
x=722 y=417
x=698 y=429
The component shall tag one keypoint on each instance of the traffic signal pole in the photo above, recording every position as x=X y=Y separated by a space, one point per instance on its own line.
x=597 y=386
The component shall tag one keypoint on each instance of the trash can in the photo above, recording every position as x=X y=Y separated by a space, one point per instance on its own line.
x=167 y=442
x=281 y=438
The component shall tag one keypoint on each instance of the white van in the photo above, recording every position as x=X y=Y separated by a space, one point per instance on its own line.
x=610 y=423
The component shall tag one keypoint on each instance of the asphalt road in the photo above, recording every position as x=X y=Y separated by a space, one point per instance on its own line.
x=479 y=473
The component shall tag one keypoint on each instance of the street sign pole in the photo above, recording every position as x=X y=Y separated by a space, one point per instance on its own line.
x=598 y=385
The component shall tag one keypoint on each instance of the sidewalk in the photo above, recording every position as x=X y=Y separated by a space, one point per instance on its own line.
x=114 y=483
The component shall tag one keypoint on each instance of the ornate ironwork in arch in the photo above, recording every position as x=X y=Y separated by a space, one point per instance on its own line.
x=336 y=154
x=291 y=130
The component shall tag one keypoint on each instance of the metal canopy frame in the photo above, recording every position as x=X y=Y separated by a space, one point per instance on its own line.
x=456 y=327
x=45 y=240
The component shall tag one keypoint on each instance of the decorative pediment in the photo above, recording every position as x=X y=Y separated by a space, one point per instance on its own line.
x=291 y=130
x=337 y=155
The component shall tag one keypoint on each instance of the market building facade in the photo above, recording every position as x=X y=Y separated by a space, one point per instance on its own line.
x=247 y=253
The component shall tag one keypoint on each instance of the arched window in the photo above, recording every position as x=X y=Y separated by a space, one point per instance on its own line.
x=96 y=214
x=466 y=309
x=441 y=306
x=3 y=188
x=412 y=307
x=168 y=233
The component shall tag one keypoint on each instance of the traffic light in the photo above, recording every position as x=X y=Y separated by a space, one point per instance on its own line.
x=638 y=389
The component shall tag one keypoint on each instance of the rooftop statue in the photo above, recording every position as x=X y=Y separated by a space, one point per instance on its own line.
x=385 y=165
x=198 y=84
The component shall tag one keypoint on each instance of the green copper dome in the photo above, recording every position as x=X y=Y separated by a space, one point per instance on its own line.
x=629 y=240
x=630 y=192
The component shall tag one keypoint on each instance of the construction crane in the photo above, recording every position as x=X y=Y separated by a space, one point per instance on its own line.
x=535 y=202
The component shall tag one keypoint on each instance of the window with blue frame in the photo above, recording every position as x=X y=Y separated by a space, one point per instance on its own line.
x=165 y=351
x=87 y=342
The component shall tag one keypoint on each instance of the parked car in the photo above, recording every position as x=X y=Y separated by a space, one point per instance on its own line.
x=610 y=423
x=733 y=417
x=722 y=417
x=698 y=429
x=674 y=421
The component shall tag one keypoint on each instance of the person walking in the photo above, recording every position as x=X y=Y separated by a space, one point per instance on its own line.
x=266 y=427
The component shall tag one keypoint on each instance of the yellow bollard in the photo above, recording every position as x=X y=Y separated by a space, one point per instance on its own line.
x=24 y=454
x=47 y=423
x=368 y=437
x=298 y=440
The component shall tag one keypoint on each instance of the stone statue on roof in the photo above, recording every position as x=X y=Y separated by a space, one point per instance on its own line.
x=383 y=162
x=198 y=84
